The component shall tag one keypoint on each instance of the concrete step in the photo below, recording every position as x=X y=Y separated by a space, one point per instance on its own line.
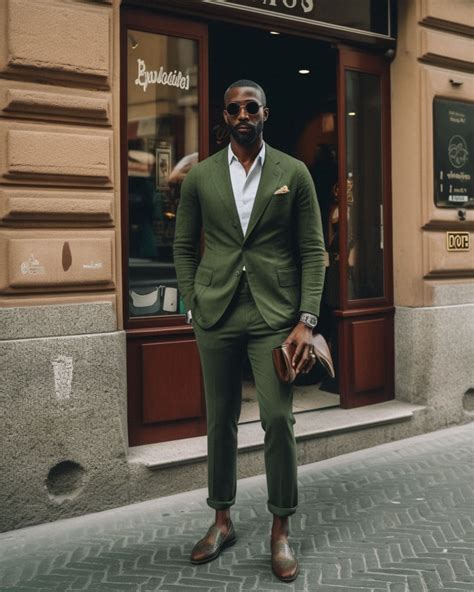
x=310 y=425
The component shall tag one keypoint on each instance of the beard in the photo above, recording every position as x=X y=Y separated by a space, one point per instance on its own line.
x=247 y=138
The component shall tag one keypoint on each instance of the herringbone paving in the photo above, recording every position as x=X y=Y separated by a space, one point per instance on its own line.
x=394 y=518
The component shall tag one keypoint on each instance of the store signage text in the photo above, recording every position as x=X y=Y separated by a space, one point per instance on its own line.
x=370 y=17
x=290 y=7
x=306 y=5
x=457 y=241
x=172 y=78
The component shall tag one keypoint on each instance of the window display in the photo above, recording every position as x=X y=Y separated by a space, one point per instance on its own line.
x=162 y=137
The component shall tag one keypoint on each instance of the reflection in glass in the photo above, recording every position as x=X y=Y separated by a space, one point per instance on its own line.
x=162 y=135
x=364 y=186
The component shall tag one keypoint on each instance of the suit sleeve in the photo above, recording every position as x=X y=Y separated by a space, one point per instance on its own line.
x=310 y=241
x=187 y=238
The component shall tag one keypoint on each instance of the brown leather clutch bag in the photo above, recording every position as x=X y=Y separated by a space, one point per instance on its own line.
x=283 y=354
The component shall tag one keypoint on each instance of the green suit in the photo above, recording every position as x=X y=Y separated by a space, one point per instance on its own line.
x=237 y=313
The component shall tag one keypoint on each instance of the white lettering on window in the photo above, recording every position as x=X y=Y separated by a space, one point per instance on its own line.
x=172 y=78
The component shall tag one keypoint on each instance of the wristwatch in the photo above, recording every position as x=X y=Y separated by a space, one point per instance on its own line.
x=310 y=320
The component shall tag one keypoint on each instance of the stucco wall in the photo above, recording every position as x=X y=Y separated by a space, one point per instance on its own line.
x=434 y=287
x=59 y=152
x=434 y=58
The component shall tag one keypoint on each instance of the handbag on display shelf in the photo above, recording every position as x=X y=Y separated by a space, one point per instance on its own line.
x=145 y=300
x=283 y=354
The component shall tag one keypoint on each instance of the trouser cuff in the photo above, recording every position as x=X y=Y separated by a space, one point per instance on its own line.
x=220 y=505
x=282 y=512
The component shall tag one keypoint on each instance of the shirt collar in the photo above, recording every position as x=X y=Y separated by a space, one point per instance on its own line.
x=260 y=156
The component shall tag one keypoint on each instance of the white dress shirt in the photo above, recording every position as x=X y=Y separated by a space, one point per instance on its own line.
x=245 y=186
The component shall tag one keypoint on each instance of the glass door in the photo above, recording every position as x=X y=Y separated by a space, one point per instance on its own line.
x=365 y=314
x=164 y=133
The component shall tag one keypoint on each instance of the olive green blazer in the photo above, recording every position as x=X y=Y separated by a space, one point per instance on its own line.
x=282 y=250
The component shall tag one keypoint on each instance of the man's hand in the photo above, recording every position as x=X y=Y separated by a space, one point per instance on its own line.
x=301 y=336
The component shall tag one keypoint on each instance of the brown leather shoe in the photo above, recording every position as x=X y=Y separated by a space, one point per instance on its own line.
x=284 y=563
x=211 y=545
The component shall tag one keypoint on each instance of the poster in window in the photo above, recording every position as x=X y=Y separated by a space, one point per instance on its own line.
x=163 y=165
x=453 y=135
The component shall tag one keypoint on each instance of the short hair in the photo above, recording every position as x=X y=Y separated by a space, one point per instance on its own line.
x=244 y=82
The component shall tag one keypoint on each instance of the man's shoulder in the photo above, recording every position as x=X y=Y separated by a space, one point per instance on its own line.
x=204 y=165
x=283 y=158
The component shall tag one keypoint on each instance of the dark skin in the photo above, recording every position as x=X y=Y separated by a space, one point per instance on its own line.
x=301 y=335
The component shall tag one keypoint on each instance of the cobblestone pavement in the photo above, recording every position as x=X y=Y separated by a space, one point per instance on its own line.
x=394 y=518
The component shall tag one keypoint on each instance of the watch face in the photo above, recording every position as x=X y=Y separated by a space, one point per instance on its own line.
x=309 y=319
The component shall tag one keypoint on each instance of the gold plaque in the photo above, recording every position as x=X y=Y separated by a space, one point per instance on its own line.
x=457 y=241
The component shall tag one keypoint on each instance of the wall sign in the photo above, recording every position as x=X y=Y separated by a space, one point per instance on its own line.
x=457 y=241
x=453 y=135
x=364 y=16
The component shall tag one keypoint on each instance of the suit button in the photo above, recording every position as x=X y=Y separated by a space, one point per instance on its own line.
x=234 y=224
x=237 y=273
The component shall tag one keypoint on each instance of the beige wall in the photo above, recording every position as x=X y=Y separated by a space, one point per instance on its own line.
x=433 y=49
x=59 y=151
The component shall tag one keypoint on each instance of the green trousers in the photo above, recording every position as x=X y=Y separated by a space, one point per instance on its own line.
x=222 y=349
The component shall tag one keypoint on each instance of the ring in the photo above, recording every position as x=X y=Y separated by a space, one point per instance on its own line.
x=312 y=355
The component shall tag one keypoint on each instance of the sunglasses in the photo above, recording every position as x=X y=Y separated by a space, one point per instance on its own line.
x=251 y=107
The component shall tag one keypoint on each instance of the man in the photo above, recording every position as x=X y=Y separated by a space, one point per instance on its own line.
x=257 y=285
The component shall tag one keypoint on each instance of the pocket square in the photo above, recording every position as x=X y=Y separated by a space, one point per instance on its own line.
x=282 y=190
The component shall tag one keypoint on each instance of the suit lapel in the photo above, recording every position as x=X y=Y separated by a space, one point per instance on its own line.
x=222 y=182
x=271 y=175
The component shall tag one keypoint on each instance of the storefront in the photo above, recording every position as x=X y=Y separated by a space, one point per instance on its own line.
x=325 y=68
x=101 y=117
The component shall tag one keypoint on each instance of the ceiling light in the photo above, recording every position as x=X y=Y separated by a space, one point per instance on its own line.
x=303 y=71
x=351 y=113
x=274 y=33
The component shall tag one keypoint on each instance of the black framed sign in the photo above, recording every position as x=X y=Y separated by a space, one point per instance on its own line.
x=453 y=143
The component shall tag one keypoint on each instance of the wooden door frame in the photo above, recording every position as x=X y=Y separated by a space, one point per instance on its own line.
x=173 y=326
x=380 y=308
x=153 y=22
x=351 y=59
x=170 y=330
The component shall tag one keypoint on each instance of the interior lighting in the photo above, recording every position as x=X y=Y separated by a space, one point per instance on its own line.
x=274 y=33
x=303 y=71
x=351 y=113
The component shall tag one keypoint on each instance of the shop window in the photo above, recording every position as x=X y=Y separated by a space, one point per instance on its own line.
x=163 y=140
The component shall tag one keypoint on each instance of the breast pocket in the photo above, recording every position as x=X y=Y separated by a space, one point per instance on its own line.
x=282 y=196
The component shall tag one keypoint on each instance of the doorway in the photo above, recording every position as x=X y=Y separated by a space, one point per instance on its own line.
x=299 y=76
x=336 y=118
